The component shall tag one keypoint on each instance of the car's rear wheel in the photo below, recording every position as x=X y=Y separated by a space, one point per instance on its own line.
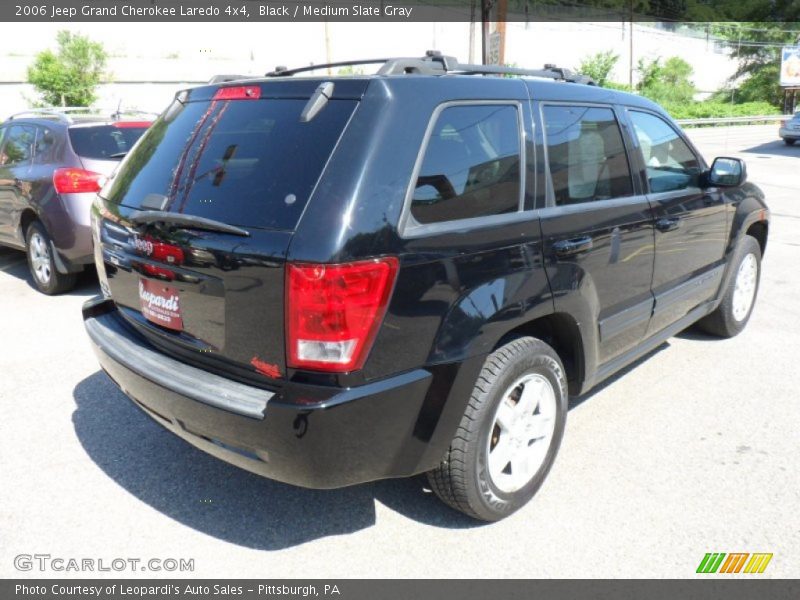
x=42 y=265
x=789 y=141
x=733 y=313
x=509 y=435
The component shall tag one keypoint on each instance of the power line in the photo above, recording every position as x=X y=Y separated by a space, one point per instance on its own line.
x=648 y=31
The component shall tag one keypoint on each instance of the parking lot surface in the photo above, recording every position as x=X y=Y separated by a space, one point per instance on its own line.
x=692 y=450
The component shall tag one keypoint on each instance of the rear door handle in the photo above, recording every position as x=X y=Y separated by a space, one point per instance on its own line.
x=574 y=246
x=668 y=223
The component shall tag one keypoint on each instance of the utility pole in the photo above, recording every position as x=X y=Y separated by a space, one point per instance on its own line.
x=502 y=12
x=471 y=57
x=493 y=42
x=486 y=9
x=738 y=54
x=328 y=46
x=630 y=46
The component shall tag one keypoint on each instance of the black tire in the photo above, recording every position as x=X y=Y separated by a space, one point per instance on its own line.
x=40 y=252
x=463 y=480
x=723 y=322
x=789 y=141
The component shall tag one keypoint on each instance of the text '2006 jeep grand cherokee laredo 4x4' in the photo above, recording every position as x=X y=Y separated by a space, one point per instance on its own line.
x=328 y=282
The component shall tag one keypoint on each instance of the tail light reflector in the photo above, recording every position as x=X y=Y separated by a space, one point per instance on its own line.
x=167 y=253
x=333 y=312
x=77 y=181
x=162 y=252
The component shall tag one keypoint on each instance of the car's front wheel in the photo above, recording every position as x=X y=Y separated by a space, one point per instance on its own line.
x=734 y=311
x=789 y=141
x=509 y=435
x=42 y=265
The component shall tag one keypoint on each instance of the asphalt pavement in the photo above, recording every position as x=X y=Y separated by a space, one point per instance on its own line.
x=691 y=450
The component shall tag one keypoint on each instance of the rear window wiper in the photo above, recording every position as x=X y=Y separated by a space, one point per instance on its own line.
x=118 y=154
x=183 y=220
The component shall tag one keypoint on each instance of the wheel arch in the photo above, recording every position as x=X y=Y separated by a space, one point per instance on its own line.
x=759 y=230
x=561 y=332
x=27 y=217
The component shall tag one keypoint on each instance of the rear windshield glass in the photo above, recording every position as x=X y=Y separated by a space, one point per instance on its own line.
x=251 y=163
x=104 y=142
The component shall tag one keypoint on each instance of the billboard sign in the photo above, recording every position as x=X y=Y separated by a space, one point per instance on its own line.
x=790 y=66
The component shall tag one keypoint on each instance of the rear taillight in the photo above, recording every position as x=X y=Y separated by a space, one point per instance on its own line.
x=241 y=92
x=77 y=181
x=334 y=311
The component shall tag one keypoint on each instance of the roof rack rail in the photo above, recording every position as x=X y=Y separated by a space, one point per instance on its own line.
x=436 y=63
x=549 y=72
x=225 y=78
x=118 y=113
x=282 y=71
x=65 y=113
x=40 y=113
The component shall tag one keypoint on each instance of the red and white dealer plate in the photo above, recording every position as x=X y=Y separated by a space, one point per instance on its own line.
x=160 y=304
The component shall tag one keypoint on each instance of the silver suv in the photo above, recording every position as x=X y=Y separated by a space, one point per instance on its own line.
x=790 y=129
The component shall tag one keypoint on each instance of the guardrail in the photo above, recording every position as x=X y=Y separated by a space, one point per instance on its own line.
x=726 y=120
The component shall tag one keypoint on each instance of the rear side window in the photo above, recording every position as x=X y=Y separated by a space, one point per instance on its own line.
x=586 y=154
x=18 y=145
x=251 y=163
x=104 y=142
x=670 y=163
x=44 y=148
x=471 y=166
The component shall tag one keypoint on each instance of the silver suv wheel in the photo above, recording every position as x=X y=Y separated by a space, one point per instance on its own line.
x=41 y=261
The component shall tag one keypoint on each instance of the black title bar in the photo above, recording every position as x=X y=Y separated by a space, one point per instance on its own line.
x=410 y=10
x=711 y=588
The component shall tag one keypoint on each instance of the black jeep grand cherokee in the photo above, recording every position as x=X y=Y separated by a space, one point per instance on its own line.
x=332 y=281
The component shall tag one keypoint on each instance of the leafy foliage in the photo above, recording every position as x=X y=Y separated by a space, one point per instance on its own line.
x=599 y=66
x=350 y=70
x=668 y=10
x=715 y=109
x=668 y=82
x=69 y=76
x=622 y=87
x=756 y=45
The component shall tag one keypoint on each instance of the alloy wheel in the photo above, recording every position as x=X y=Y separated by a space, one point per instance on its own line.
x=522 y=432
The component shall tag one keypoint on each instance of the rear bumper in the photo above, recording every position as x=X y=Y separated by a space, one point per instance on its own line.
x=68 y=222
x=306 y=435
x=791 y=134
x=81 y=252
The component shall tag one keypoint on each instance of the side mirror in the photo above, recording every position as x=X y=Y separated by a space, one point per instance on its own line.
x=727 y=172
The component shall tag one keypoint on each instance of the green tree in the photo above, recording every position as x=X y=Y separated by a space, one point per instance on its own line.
x=599 y=66
x=756 y=46
x=667 y=83
x=69 y=76
x=350 y=70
